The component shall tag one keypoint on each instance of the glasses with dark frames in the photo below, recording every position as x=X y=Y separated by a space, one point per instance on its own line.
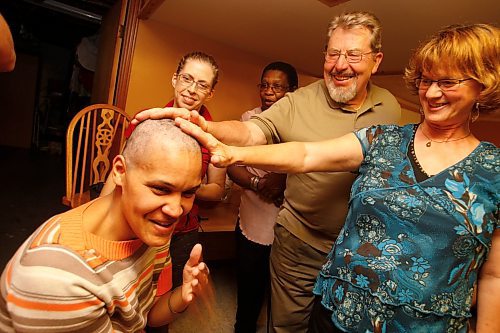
x=443 y=84
x=276 y=88
x=351 y=56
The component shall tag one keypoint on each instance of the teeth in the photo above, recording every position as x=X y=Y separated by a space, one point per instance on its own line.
x=343 y=77
x=163 y=224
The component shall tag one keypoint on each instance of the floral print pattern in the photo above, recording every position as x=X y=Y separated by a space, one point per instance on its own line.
x=409 y=254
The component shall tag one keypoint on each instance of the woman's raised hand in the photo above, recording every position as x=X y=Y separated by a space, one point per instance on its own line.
x=222 y=155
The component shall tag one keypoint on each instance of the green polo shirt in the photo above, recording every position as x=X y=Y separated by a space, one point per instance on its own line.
x=316 y=203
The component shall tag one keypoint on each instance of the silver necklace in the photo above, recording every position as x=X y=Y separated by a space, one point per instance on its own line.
x=429 y=143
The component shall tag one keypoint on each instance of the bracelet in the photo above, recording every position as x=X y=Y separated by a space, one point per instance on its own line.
x=170 y=305
x=254 y=183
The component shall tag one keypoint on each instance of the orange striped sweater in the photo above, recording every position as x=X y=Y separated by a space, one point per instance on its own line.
x=63 y=279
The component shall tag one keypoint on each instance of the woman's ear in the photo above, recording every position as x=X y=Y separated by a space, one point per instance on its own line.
x=210 y=95
x=174 y=80
x=119 y=170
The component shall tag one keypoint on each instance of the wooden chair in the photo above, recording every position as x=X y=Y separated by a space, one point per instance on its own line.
x=94 y=137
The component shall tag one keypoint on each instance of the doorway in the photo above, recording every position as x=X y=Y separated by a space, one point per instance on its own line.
x=56 y=44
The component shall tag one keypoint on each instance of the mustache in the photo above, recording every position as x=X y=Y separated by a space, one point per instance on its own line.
x=343 y=73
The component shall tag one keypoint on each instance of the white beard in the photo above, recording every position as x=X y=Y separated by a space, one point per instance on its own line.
x=342 y=94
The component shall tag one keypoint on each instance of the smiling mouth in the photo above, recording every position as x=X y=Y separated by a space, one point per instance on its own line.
x=437 y=105
x=188 y=99
x=343 y=77
x=163 y=224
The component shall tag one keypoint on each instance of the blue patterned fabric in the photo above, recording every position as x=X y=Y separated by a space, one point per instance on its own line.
x=409 y=254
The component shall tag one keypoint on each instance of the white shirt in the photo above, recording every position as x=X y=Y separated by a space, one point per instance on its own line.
x=257 y=218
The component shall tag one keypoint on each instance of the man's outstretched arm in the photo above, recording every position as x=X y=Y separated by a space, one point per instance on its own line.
x=233 y=132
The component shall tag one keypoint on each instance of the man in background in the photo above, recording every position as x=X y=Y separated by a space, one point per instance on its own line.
x=261 y=197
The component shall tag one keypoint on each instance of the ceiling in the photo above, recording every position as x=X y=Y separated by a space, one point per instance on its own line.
x=294 y=30
x=90 y=10
x=287 y=30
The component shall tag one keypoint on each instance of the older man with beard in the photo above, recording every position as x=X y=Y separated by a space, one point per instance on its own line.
x=315 y=204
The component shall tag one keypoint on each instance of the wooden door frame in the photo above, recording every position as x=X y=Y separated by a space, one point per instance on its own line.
x=135 y=10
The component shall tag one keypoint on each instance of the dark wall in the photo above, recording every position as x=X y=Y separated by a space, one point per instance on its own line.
x=17 y=102
x=34 y=97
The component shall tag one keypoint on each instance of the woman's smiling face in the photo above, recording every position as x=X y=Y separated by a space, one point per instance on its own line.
x=452 y=106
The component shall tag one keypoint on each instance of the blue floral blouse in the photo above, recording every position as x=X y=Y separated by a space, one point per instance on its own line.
x=409 y=254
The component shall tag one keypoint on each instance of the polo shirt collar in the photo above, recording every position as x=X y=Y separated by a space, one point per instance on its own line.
x=373 y=98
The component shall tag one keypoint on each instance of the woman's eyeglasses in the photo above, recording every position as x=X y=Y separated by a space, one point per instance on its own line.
x=187 y=80
x=443 y=84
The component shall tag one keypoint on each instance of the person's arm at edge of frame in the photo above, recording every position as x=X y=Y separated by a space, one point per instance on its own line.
x=232 y=132
x=488 y=300
x=176 y=301
x=7 y=52
x=213 y=190
x=340 y=154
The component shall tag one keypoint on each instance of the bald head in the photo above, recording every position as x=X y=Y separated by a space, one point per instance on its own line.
x=156 y=178
x=154 y=137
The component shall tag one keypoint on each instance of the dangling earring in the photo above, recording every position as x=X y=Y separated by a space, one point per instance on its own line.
x=422 y=116
x=475 y=112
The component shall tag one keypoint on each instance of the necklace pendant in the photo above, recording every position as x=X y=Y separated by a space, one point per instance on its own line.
x=428 y=144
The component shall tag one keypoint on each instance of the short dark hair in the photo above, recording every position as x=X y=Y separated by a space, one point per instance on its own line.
x=289 y=70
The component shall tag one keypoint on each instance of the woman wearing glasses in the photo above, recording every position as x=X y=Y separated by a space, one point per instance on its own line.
x=421 y=240
x=194 y=82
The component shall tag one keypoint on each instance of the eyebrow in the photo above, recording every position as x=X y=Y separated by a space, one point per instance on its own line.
x=339 y=50
x=168 y=185
x=201 y=81
x=192 y=190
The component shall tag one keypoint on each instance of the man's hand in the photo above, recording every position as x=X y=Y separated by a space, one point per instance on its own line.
x=271 y=188
x=165 y=113
x=222 y=155
x=194 y=276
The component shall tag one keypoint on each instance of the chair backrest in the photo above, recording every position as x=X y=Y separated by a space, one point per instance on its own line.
x=94 y=137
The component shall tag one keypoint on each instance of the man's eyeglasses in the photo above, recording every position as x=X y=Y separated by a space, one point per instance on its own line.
x=351 y=56
x=187 y=80
x=276 y=88
x=443 y=84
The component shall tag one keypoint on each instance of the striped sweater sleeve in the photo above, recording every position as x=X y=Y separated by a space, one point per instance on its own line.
x=40 y=297
x=52 y=288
